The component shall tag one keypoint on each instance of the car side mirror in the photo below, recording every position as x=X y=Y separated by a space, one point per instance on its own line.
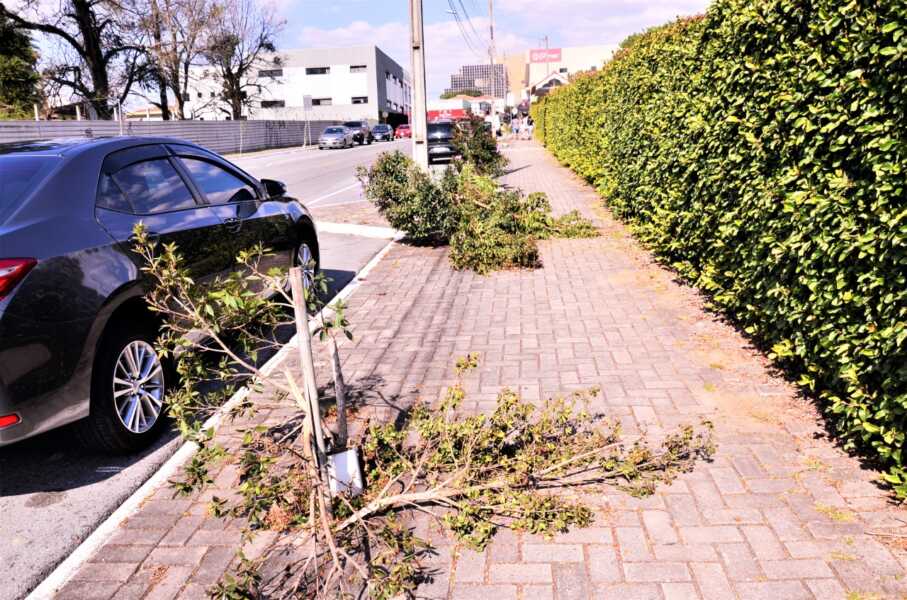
x=274 y=189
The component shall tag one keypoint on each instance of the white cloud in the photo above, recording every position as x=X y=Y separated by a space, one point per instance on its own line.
x=577 y=22
x=445 y=50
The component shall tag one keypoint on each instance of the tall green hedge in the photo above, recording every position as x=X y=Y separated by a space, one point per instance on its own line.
x=760 y=150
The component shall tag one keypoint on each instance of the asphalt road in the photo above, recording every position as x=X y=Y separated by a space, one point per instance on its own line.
x=54 y=493
x=319 y=178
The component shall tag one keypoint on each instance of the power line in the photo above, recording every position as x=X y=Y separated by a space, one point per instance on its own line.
x=466 y=38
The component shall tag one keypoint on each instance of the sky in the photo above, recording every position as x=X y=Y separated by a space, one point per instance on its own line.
x=519 y=25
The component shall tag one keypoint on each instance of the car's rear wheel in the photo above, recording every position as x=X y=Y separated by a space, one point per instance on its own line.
x=128 y=389
x=305 y=258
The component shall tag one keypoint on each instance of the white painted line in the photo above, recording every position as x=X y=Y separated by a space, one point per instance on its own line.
x=369 y=231
x=66 y=569
x=326 y=196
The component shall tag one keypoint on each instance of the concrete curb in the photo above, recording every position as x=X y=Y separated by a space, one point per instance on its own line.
x=66 y=569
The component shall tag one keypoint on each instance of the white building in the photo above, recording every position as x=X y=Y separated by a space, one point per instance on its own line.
x=344 y=83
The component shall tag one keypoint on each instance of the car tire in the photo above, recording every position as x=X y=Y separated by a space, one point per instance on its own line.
x=112 y=406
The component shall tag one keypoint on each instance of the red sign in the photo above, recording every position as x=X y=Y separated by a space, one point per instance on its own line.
x=453 y=114
x=545 y=55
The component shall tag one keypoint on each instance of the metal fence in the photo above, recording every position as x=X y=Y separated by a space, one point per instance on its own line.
x=225 y=137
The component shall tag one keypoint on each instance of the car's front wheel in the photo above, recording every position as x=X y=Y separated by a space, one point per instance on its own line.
x=128 y=389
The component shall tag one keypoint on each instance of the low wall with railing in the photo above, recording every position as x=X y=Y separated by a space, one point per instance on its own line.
x=225 y=137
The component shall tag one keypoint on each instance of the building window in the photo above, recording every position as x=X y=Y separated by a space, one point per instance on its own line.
x=199 y=94
x=390 y=104
x=212 y=94
x=321 y=102
x=360 y=99
x=387 y=75
x=563 y=70
x=358 y=68
x=273 y=103
x=270 y=73
x=186 y=97
x=317 y=70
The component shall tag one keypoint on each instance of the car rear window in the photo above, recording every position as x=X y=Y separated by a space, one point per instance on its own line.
x=353 y=124
x=443 y=128
x=334 y=130
x=19 y=175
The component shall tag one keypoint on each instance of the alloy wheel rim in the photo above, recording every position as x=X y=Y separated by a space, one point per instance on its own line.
x=138 y=386
x=306 y=260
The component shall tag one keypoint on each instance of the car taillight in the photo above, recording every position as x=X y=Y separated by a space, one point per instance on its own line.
x=8 y=420
x=12 y=270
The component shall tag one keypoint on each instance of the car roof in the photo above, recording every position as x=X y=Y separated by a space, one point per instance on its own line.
x=77 y=145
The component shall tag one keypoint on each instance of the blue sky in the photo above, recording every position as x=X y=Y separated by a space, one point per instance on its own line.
x=519 y=24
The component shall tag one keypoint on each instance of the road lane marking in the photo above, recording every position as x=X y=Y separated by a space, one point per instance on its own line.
x=326 y=196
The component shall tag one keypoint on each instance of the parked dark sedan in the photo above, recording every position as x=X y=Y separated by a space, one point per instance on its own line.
x=440 y=141
x=76 y=339
x=383 y=132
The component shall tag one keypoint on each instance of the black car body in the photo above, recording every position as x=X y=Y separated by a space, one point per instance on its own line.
x=71 y=288
x=362 y=133
x=382 y=132
x=440 y=140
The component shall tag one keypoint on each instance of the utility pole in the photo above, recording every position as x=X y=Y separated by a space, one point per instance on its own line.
x=419 y=125
x=494 y=81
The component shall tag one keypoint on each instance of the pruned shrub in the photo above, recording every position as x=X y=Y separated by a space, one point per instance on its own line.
x=488 y=227
x=477 y=146
x=760 y=151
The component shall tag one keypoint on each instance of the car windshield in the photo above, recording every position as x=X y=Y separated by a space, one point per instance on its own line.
x=334 y=130
x=18 y=176
x=404 y=127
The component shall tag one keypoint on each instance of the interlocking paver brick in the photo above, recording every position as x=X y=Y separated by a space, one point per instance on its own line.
x=713 y=583
x=470 y=566
x=796 y=568
x=484 y=592
x=629 y=591
x=570 y=581
x=680 y=591
x=599 y=312
x=519 y=573
x=773 y=590
x=656 y=571
x=552 y=553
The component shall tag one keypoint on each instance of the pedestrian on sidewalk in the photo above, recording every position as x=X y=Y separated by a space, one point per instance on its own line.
x=515 y=128
x=529 y=127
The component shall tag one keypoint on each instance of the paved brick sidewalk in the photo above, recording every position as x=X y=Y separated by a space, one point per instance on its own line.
x=779 y=514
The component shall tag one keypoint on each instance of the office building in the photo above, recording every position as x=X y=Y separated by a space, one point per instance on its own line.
x=358 y=83
x=478 y=77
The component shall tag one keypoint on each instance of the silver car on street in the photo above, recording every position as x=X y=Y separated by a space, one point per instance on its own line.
x=336 y=136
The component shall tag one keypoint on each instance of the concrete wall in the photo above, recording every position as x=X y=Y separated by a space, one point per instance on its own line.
x=225 y=137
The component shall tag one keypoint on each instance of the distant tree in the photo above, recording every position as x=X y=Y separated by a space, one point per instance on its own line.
x=100 y=58
x=177 y=31
x=470 y=92
x=239 y=37
x=18 y=74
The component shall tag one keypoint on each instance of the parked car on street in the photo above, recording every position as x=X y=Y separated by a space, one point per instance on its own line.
x=403 y=131
x=382 y=132
x=336 y=137
x=76 y=337
x=440 y=140
x=362 y=133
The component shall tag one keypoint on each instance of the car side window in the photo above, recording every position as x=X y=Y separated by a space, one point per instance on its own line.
x=154 y=186
x=219 y=185
x=111 y=196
